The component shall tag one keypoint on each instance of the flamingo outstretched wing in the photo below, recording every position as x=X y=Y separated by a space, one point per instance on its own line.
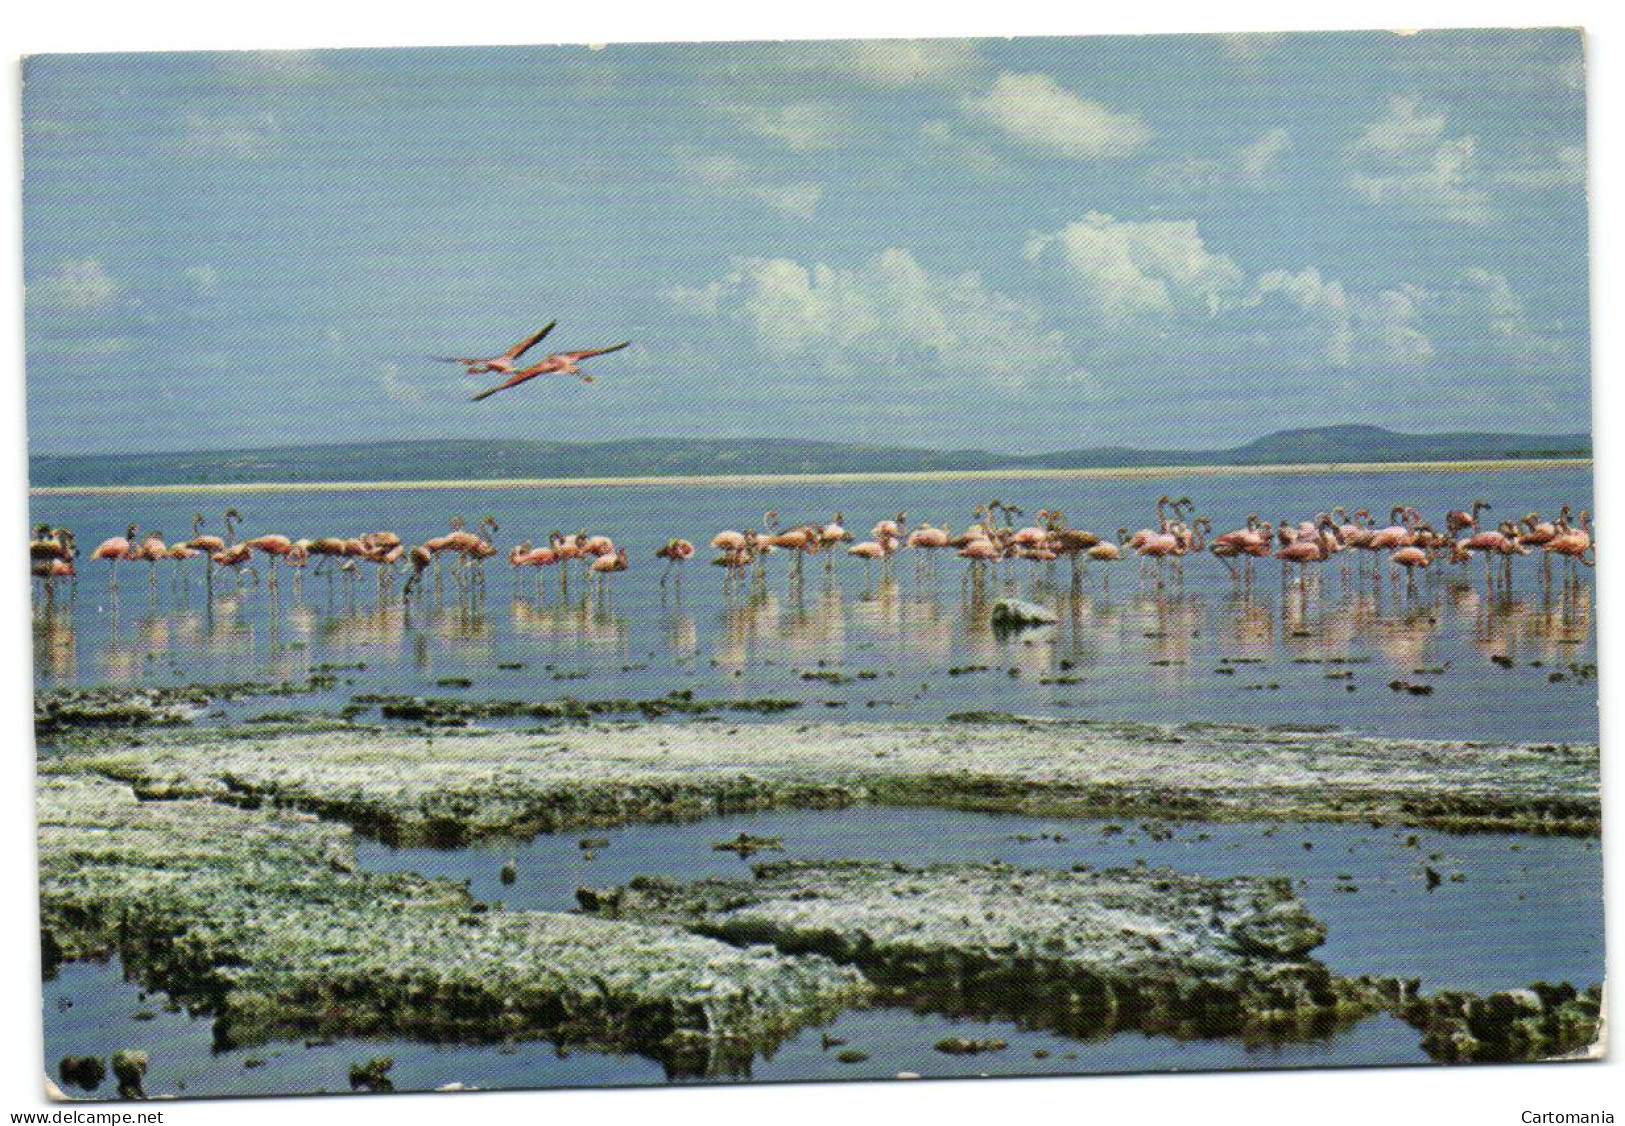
x=528 y=343
x=576 y=357
x=513 y=381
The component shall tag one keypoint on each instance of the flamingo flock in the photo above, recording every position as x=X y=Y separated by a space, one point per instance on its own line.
x=998 y=537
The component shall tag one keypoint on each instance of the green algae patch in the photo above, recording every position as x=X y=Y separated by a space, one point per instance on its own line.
x=1543 y=1021
x=1083 y=953
x=443 y=712
x=59 y=711
x=261 y=918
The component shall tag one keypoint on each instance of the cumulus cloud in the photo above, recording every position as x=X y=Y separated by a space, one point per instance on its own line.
x=897 y=63
x=1340 y=326
x=801 y=126
x=727 y=175
x=1125 y=271
x=1563 y=168
x=949 y=142
x=1250 y=46
x=1255 y=165
x=1159 y=280
x=242 y=136
x=396 y=389
x=1405 y=160
x=79 y=285
x=205 y=279
x=1037 y=112
x=1487 y=298
x=890 y=314
x=287 y=68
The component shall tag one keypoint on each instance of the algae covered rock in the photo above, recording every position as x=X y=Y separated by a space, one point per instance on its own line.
x=1081 y=952
x=243 y=913
x=130 y=1069
x=84 y=1072
x=1284 y=929
x=1541 y=1022
x=451 y=788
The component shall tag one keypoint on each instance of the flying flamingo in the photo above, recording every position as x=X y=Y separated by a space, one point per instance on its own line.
x=503 y=364
x=561 y=363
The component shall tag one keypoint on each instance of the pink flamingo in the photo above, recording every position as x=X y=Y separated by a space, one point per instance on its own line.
x=674 y=552
x=1460 y=520
x=114 y=549
x=1410 y=558
x=503 y=364
x=561 y=363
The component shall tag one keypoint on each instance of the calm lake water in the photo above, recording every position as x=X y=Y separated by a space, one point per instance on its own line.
x=877 y=645
x=1527 y=909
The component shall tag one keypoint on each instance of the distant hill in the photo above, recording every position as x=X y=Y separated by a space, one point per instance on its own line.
x=655 y=457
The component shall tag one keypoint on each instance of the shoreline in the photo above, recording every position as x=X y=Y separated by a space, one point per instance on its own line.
x=747 y=480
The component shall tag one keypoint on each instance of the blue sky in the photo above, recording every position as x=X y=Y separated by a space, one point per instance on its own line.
x=1026 y=244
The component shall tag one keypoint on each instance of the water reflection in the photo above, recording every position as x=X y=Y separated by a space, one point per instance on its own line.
x=910 y=635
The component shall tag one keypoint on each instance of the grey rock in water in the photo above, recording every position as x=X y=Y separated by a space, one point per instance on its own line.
x=1017 y=613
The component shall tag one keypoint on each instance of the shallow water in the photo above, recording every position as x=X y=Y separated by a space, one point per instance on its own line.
x=878 y=645
x=100 y=1020
x=1528 y=910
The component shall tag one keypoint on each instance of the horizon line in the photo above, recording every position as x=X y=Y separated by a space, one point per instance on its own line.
x=745 y=479
x=1544 y=434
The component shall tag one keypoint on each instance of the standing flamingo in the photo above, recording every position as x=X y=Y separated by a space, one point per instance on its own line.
x=114 y=549
x=674 y=552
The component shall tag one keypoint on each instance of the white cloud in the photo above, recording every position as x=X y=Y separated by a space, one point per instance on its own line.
x=80 y=285
x=396 y=389
x=1340 y=326
x=1259 y=161
x=1488 y=297
x=287 y=68
x=1255 y=165
x=897 y=63
x=889 y=315
x=1563 y=168
x=204 y=278
x=802 y=126
x=244 y=136
x=1405 y=160
x=1128 y=271
x=727 y=175
x=1250 y=46
x=1157 y=280
x=942 y=138
x=1035 y=111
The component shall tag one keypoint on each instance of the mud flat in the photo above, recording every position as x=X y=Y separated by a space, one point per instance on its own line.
x=446 y=788
x=261 y=918
x=1084 y=953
